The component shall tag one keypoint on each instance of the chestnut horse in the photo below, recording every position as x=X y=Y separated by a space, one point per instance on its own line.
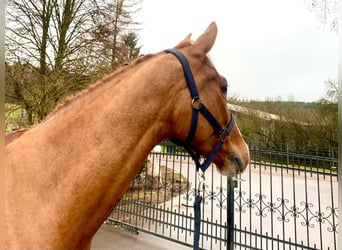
x=64 y=176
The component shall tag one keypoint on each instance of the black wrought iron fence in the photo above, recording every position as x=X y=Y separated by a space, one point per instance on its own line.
x=278 y=203
x=287 y=204
x=160 y=201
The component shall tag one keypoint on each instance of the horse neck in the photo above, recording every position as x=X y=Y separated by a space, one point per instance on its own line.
x=89 y=151
x=128 y=116
x=114 y=129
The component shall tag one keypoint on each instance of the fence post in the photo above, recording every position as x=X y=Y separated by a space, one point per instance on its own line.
x=230 y=213
x=287 y=155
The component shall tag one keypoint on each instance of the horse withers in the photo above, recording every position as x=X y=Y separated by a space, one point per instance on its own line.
x=64 y=176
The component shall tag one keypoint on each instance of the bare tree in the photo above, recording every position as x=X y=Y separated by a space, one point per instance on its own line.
x=50 y=45
x=331 y=90
x=43 y=38
x=113 y=24
x=46 y=32
x=326 y=12
x=27 y=30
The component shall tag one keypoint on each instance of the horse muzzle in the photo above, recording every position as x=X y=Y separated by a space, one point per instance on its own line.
x=238 y=163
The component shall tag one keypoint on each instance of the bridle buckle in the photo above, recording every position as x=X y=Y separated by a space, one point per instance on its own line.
x=223 y=135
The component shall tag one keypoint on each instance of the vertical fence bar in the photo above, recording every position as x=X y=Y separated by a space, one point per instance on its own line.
x=319 y=218
x=230 y=213
x=333 y=209
x=307 y=210
x=295 y=207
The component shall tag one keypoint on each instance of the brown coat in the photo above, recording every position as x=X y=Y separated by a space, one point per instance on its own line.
x=64 y=176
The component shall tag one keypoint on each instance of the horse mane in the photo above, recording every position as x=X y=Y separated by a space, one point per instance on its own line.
x=70 y=99
x=14 y=135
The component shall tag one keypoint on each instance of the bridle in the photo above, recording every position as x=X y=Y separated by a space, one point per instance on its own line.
x=222 y=132
x=198 y=107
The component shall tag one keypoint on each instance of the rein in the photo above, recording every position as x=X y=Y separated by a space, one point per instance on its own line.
x=222 y=133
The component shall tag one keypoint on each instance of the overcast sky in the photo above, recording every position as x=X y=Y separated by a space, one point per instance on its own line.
x=266 y=49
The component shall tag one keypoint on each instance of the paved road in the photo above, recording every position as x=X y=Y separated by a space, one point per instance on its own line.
x=112 y=238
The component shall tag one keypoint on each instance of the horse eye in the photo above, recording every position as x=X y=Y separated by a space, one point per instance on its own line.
x=224 y=89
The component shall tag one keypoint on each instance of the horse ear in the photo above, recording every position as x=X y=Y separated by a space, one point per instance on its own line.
x=186 y=42
x=206 y=41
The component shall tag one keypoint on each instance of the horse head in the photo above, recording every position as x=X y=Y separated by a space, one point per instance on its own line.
x=191 y=127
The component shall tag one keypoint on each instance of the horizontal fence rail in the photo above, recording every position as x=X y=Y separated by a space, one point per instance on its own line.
x=282 y=201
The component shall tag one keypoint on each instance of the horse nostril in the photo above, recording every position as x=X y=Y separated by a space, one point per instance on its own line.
x=236 y=160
